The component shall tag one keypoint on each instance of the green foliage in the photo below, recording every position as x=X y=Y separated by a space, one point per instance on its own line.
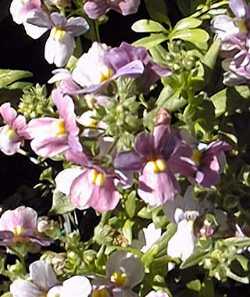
x=34 y=102
x=8 y=77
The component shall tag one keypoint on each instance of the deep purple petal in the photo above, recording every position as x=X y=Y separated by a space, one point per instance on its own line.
x=128 y=161
x=144 y=144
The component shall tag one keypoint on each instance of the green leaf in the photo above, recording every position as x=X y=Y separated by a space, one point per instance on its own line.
x=194 y=285
x=230 y=100
x=171 y=100
x=127 y=230
x=159 y=54
x=237 y=278
x=243 y=262
x=194 y=259
x=212 y=54
x=148 y=26
x=61 y=203
x=188 y=7
x=198 y=37
x=151 y=41
x=8 y=76
x=7 y=294
x=200 y=114
x=239 y=242
x=187 y=23
x=157 y=12
x=130 y=204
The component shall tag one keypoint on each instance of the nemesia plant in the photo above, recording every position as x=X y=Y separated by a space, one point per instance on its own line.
x=138 y=147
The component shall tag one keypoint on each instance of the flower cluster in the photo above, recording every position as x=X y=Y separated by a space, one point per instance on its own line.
x=234 y=33
x=141 y=152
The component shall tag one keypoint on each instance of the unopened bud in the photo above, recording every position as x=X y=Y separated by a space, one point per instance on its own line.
x=163 y=117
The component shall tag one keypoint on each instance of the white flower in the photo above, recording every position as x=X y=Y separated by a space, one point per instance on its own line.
x=76 y=286
x=149 y=236
x=91 y=68
x=43 y=279
x=65 y=179
x=182 y=244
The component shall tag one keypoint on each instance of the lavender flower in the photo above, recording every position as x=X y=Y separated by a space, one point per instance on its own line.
x=208 y=163
x=234 y=33
x=157 y=157
x=20 y=225
x=96 y=8
x=225 y=26
x=60 y=44
x=110 y=64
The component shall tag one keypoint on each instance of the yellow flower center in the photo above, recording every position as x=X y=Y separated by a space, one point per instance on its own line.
x=242 y=26
x=60 y=128
x=11 y=134
x=196 y=157
x=100 y=293
x=58 y=33
x=97 y=178
x=18 y=230
x=157 y=166
x=119 y=278
x=105 y=75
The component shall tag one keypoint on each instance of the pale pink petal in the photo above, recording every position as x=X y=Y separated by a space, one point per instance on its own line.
x=8 y=113
x=106 y=197
x=81 y=191
x=65 y=179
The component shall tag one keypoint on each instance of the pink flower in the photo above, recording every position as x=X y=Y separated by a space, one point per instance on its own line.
x=13 y=134
x=20 y=225
x=53 y=136
x=96 y=8
x=90 y=186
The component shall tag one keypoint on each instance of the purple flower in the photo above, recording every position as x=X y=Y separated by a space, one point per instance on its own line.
x=96 y=8
x=235 y=50
x=14 y=132
x=119 y=57
x=234 y=33
x=53 y=136
x=60 y=44
x=157 y=157
x=20 y=225
x=208 y=163
x=111 y=63
x=225 y=26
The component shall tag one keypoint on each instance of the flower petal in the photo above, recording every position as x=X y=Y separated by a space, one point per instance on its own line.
x=43 y=275
x=77 y=286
